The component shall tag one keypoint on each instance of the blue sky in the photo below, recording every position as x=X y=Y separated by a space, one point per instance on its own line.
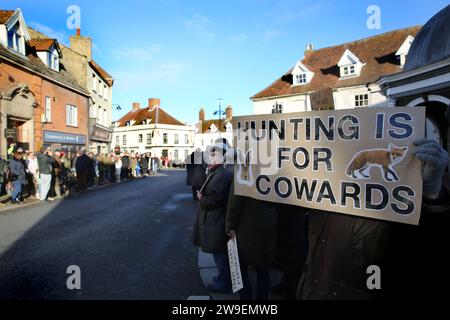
x=189 y=53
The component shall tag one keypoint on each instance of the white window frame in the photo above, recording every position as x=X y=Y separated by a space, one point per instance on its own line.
x=48 y=109
x=362 y=100
x=186 y=139
x=140 y=138
x=124 y=140
x=149 y=139
x=71 y=115
x=176 y=139
x=117 y=140
x=301 y=78
x=165 y=138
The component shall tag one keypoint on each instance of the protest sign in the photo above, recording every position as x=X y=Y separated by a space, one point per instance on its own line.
x=235 y=269
x=354 y=161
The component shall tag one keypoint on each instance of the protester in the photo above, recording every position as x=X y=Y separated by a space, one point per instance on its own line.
x=3 y=169
x=342 y=247
x=118 y=166
x=45 y=172
x=209 y=227
x=92 y=171
x=196 y=172
x=254 y=224
x=125 y=172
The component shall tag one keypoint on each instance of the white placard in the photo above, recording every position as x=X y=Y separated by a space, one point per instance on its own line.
x=235 y=269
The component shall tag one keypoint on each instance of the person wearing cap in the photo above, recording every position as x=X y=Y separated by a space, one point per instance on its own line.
x=17 y=171
x=209 y=227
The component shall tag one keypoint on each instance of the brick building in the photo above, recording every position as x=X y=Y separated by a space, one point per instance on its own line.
x=40 y=102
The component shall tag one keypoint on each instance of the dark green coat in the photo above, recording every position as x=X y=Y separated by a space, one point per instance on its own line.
x=209 y=228
x=255 y=223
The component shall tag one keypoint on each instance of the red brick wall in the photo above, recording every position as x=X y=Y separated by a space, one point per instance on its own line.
x=60 y=98
x=11 y=76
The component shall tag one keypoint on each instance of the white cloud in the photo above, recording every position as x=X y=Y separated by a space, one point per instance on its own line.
x=293 y=11
x=199 y=25
x=272 y=33
x=238 y=38
x=169 y=72
x=141 y=54
x=51 y=33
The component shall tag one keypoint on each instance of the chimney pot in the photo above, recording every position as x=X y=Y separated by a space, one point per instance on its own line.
x=309 y=48
x=78 y=32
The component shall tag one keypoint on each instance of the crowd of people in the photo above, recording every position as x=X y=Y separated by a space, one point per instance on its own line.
x=323 y=255
x=49 y=174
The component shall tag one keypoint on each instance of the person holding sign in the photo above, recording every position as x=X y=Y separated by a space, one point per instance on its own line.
x=254 y=222
x=209 y=227
x=354 y=257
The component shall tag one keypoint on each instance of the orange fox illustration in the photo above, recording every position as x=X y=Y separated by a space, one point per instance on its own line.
x=383 y=158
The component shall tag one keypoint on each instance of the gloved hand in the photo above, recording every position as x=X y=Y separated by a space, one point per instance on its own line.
x=435 y=160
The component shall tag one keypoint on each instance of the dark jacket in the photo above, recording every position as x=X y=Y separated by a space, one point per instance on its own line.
x=255 y=223
x=82 y=164
x=44 y=163
x=342 y=247
x=16 y=167
x=125 y=162
x=196 y=169
x=209 y=227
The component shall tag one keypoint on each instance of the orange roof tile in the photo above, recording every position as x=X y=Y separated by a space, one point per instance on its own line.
x=5 y=15
x=377 y=53
x=141 y=115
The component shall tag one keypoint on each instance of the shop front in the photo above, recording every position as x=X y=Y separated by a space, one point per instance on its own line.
x=100 y=139
x=66 y=142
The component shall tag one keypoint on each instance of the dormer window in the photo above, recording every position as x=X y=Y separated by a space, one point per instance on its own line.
x=301 y=74
x=349 y=65
x=16 y=40
x=53 y=61
x=349 y=70
x=213 y=128
x=300 y=78
x=402 y=52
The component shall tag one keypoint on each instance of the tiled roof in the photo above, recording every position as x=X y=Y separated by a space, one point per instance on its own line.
x=141 y=115
x=41 y=44
x=206 y=125
x=5 y=15
x=33 y=62
x=102 y=73
x=377 y=53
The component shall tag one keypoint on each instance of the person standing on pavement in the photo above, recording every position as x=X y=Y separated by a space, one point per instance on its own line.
x=45 y=172
x=209 y=227
x=118 y=166
x=196 y=172
x=125 y=172
x=18 y=178
x=254 y=224
x=82 y=167
x=32 y=167
x=92 y=172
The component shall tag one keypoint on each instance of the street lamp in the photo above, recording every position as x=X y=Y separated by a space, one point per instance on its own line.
x=220 y=113
x=118 y=107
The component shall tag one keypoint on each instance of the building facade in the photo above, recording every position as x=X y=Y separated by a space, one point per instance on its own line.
x=338 y=77
x=41 y=104
x=151 y=129
x=99 y=83
x=208 y=131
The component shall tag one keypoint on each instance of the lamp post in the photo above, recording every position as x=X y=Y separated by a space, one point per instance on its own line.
x=220 y=113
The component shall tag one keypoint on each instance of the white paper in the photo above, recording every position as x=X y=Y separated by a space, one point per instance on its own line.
x=235 y=269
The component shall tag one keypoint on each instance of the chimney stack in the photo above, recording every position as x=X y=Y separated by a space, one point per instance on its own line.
x=229 y=112
x=309 y=48
x=153 y=102
x=201 y=115
x=82 y=45
x=136 y=106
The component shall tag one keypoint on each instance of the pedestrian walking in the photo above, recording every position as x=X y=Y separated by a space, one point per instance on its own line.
x=83 y=165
